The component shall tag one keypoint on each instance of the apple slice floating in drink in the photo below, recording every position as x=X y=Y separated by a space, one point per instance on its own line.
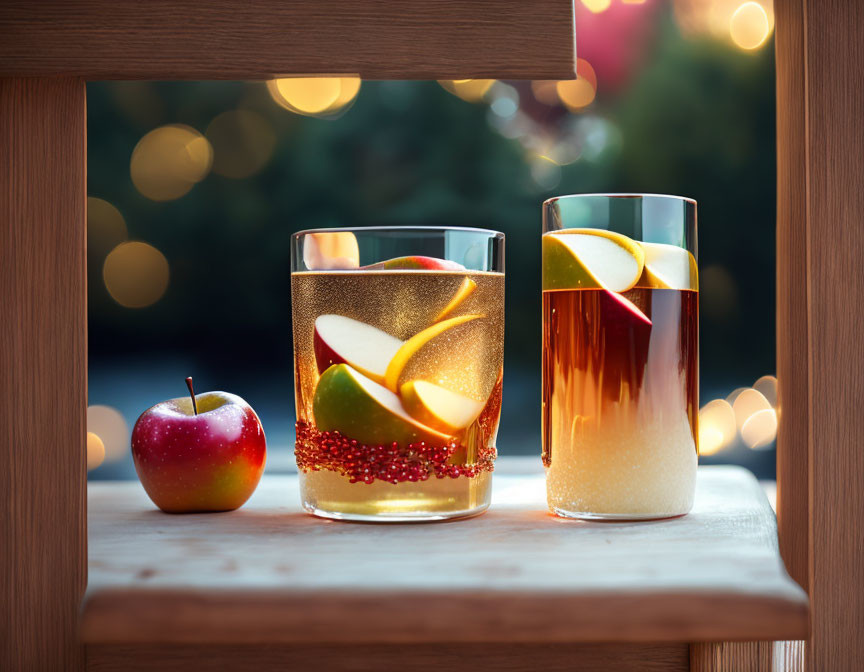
x=331 y=250
x=348 y=402
x=465 y=290
x=669 y=267
x=438 y=407
x=410 y=347
x=418 y=263
x=591 y=259
x=339 y=339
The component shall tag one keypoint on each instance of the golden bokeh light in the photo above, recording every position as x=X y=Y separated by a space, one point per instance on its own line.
x=580 y=92
x=314 y=96
x=717 y=422
x=95 y=451
x=760 y=429
x=106 y=227
x=733 y=395
x=767 y=385
x=597 y=6
x=242 y=141
x=168 y=161
x=710 y=440
x=136 y=275
x=748 y=403
x=714 y=18
x=470 y=90
x=109 y=426
x=749 y=26
x=545 y=91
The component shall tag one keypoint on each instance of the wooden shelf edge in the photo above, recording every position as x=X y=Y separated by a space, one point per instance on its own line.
x=200 y=616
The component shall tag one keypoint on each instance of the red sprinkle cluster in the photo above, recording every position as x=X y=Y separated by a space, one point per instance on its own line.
x=332 y=451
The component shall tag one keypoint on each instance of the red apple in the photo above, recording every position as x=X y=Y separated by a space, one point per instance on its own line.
x=341 y=340
x=199 y=453
x=416 y=263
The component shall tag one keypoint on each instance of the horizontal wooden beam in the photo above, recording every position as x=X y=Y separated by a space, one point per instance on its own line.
x=360 y=657
x=260 y=39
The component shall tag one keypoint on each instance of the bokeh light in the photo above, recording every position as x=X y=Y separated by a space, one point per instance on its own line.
x=749 y=26
x=314 y=96
x=733 y=395
x=760 y=429
x=109 y=427
x=597 y=6
x=135 y=274
x=717 y=427
x=168 y=161
x=748 y=403
x=471 y=90
x=545 y=91
x=740 y=23
x=95 y=451
x=106 y=227
x=580 y=92
x=243 y=143
x=767 y=385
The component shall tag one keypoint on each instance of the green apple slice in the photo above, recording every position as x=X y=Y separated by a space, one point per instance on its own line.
x=591 y=259
x=669 y=267
x=348 y=402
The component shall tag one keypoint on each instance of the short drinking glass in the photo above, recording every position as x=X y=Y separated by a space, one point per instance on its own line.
x=398 y=350
x=620 y=355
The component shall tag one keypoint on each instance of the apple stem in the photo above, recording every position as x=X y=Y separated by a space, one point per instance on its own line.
x=192 y=394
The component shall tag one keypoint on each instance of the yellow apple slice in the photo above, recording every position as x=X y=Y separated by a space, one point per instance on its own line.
x=464 y=291
x=438 y=407
x=413 y=344
x=591 y=259
x=669 y=267
x=331 y=250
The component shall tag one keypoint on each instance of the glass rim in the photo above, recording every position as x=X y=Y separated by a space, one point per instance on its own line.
x=399 y=228
x=686 y=199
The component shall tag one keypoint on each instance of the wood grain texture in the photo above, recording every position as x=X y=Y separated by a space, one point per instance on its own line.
x=270 y=574
x=835 y=244
x=258 y=39
x=793 y=483
x=392 y=658
x=731 y=657
x=43 y=360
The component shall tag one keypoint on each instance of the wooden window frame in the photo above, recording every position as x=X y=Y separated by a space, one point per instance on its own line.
x=49 y=49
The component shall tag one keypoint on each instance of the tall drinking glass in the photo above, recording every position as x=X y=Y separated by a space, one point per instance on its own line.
x=398 y=351
x=620 y=355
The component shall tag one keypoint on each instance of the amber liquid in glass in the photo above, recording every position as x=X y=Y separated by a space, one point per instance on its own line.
x=379 y=480
x=620 y=403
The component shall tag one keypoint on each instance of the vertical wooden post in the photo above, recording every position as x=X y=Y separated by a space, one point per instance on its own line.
x=43 y=371
x=793 y=470
x=820 y=103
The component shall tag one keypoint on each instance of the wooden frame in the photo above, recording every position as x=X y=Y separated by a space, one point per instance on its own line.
x=58 y=44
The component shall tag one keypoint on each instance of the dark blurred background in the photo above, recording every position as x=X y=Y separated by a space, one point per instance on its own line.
x=195 y=189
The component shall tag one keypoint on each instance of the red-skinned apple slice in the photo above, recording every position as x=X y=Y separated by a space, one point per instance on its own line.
x=340 y=339
x=418 y=263
x=626 y=335
x=348 y=402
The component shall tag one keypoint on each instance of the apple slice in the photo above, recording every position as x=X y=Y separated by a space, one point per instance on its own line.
x=331 y=250
x=413 y=344
x=339 y=340
x=465 y=290
x=348 y=402
x=590 y=259
x=625 y=335
x=669 y=267
x=417 y=263
x=438 y=407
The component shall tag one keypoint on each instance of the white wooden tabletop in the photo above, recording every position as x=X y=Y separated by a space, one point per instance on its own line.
x=270 y=573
